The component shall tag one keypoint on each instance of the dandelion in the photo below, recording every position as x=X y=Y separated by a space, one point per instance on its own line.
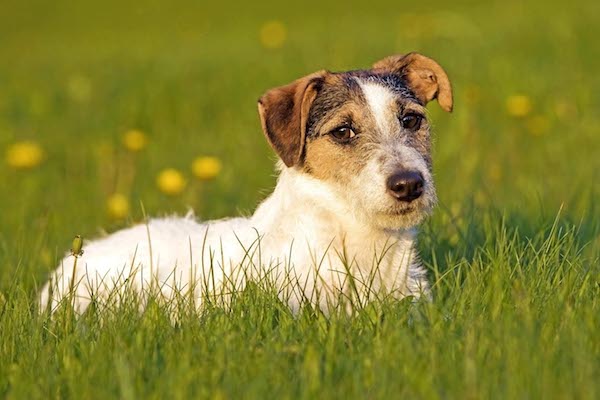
x=134 y=140
x=24 y=155
x=518 y=105
x=538 y=125
x=117 y=206
x=206 y=168
x=170 y=181
x=79 y=88
x=273 y=34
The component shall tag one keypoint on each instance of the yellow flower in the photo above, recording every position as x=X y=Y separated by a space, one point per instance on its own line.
x=134 y=140
x=206 y=168
x=273 y=34
x=170 y=181
x=24 y=155
x=117 y=206
x=518 y=105
x=538 y=125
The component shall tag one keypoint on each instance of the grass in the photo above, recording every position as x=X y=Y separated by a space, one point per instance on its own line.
x=513 y=248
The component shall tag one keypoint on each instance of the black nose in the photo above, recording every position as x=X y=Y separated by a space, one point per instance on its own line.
x=406 y=185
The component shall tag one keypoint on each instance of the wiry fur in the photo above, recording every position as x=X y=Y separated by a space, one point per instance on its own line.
x=328 y=231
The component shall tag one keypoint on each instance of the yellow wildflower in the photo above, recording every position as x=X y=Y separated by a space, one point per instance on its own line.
x=518 y=105
x=206 y=168
x=24 y=155
x=134 y=140
x=170 y=181
x=117 y=206
x=273 y=34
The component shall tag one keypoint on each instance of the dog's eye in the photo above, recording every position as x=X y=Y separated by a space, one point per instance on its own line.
x=343 y=134
x=411 y=121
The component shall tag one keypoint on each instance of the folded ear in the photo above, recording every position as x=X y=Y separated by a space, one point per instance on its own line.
x=284 y=113
x=422 y=75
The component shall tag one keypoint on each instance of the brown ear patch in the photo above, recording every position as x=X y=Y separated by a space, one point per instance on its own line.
x=425 y=77
x=283 y=115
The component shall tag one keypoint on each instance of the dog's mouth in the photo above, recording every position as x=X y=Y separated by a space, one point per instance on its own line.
x=399 y=211
x=405 y=210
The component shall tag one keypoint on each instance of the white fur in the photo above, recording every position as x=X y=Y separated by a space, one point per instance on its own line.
x=368 y=188
x=316 y=241
x=298 y=234
x=379 y=99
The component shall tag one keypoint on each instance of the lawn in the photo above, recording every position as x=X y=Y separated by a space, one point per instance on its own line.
x=513 y=249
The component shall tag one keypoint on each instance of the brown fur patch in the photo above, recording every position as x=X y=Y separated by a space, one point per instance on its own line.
x=297 y=118
x=342 y=102
x=339 y=103
x=283 y=114
x=426 y=78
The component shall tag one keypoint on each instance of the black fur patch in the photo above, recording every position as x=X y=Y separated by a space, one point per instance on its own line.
x=342 y=87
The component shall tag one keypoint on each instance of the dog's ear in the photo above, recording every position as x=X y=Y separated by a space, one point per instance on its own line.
x=284 y=113
x=422 y=75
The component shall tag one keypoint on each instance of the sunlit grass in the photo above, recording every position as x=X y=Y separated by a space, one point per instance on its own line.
x=513 y=305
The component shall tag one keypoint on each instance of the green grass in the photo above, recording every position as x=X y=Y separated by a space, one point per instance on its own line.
x=513 y=248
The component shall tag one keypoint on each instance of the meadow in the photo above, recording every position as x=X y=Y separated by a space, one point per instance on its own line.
x=113 y=110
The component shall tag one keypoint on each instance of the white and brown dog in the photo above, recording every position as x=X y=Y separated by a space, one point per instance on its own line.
x=355 y=180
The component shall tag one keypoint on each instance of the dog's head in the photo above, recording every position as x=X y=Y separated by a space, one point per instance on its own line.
x=365 y=133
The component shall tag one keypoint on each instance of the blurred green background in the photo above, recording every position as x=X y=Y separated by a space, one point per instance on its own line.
x=75 y=77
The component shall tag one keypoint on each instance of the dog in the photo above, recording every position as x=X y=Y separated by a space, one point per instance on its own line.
x=355 y=180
